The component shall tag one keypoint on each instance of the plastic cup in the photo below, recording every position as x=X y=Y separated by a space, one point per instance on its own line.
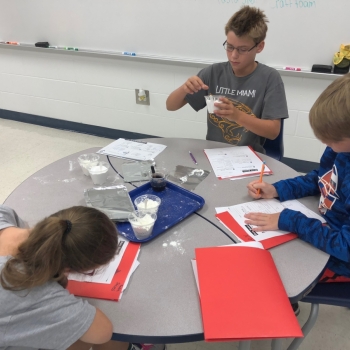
x=142 y=223
x=98 y=172
x=148 y=203
x=210 y=100
x=158 y=180
x=85 y=160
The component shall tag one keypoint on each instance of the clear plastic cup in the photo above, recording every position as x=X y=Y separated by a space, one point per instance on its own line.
x=158 y=179
x=142 y=223
x=98 y=172
x=85 y=160
x=210 y=100
x=148 y=203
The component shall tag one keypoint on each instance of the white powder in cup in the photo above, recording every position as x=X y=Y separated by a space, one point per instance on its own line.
x=142 y=226
x=98 y=174
x=149 y=205
x=210 y=100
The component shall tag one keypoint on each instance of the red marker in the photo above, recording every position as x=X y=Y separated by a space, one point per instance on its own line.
x=292 y=68
x=12 y=42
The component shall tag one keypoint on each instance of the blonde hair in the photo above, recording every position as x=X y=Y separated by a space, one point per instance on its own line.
x=77 y=238
x=248 y=21
x=330 y=115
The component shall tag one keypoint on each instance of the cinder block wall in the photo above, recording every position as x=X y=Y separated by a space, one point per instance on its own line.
x=100 y=90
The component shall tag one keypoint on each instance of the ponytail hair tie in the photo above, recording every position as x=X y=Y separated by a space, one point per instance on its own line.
x=68 y=227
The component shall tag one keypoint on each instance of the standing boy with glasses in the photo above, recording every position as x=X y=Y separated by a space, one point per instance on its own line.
x=253 y=99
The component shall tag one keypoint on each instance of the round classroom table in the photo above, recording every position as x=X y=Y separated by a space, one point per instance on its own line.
x=161 y=303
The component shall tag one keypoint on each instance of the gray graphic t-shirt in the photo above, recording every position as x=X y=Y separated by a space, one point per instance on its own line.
x=45 y=317
x=260 y=94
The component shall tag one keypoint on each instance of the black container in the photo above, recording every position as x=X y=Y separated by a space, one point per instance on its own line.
x=158 y=182
x=338 y=70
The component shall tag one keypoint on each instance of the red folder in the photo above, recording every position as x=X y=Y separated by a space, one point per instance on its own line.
x=227 y=219
x=242 y=296
x=110 y=291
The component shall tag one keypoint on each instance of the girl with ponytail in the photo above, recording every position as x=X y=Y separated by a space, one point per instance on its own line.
x=36 y=311
x=77 y=239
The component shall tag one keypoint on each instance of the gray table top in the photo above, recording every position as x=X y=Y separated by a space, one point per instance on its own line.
x=161 y=301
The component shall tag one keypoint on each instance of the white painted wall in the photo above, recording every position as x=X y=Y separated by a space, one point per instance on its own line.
x=99 y=90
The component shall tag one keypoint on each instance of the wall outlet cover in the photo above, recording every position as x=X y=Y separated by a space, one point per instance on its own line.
x=143 y=99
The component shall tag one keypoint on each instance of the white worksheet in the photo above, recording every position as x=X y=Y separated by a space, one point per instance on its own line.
x=268 y=206
x=132 y=149
x=231 y=162
x=105 y=273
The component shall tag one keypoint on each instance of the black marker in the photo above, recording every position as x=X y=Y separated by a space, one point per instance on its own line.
x=246 y=171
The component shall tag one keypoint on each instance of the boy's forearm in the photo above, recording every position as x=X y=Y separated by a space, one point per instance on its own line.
x=298 y=187
x=267 y=128
x=333 y=242
x=176 y=99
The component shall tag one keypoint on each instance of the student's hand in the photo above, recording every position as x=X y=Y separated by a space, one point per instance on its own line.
x=266 y=190
x=226 y=109
x=263 y=222
x=194 y=84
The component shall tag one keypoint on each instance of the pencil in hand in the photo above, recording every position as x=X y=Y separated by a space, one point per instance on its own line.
x=261 y=174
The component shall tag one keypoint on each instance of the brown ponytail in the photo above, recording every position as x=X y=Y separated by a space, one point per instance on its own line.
x=52 y=248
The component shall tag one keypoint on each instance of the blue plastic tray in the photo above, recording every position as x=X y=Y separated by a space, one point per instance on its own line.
x=177 y=203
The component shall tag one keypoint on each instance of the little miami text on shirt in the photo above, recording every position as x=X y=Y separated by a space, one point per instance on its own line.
x=227 y=91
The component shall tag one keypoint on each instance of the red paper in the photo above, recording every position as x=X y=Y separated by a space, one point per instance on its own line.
x=110 y=291
x=242 y=296
x=227 y=219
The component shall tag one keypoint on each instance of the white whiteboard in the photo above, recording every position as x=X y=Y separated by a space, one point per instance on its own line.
x=301 y=32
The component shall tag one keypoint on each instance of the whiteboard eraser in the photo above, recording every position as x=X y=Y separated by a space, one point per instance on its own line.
x=321 y=68
x=42 y=44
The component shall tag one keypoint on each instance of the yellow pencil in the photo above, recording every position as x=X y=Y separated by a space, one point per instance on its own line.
x=261 y=174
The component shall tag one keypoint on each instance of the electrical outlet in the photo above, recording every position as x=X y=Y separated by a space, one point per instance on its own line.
x=142 y=97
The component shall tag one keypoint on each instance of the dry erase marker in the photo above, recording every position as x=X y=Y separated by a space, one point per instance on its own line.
x=12 y=43
x=297 y=69
x=192 y=156
x=129 y=53
x=71 y=48
x=53 y=47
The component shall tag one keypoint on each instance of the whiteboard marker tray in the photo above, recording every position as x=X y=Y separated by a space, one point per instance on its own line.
x=177 y=204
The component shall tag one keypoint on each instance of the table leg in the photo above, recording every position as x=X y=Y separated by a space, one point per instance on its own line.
x=276 y=344
x=306 y=328
x=244 y=345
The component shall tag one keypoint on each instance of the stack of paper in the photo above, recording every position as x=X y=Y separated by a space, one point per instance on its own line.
x=233 y=218
x=235 y=162
x=132 y=149
x=242 y=296
x=109 y=281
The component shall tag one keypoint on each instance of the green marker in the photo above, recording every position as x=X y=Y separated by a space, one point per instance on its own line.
x=71 y=48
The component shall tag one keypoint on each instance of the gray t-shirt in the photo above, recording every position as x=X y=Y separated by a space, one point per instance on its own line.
x=45 y=317
x=260 y=94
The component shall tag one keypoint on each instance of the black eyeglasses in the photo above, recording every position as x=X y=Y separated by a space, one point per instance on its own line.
x=240 y=50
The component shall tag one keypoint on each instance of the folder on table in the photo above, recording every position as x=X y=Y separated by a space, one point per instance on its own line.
x=227 y=219
x=242 y=296
x=113 y=290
